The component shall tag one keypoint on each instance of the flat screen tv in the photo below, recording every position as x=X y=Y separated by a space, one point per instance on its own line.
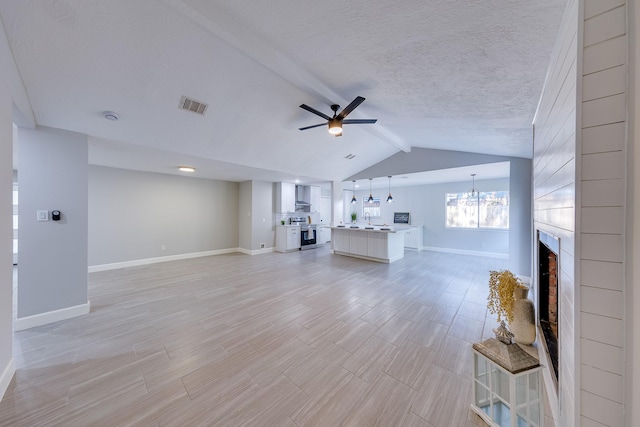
x=401 y=218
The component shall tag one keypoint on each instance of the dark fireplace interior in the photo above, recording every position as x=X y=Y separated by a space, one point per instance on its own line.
x=548 y=297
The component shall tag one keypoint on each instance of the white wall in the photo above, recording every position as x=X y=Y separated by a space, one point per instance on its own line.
x=426 y=203
x=6 y=236
x=262 y=203
x=14 y=107
x=520 y=218
x=52 y=175
x=245 y=221
x=554 y=194
x=133 y=214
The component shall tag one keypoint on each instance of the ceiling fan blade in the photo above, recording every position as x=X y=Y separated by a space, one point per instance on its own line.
x=313 y=126
x=358 y=121
x=349 y=108
x=314 y=111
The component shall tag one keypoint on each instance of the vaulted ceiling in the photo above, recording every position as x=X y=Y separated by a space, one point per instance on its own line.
x=460 y=75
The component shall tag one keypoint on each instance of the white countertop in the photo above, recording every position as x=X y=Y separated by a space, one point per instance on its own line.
x=361 y=227
x=381 y=228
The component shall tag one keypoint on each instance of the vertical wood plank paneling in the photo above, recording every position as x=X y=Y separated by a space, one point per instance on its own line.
x=554 y=195
x=601 y=212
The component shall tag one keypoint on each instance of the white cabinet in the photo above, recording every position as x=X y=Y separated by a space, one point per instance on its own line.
x=320 y=235
x=359 y=243
x=373 y=245
x=377 y=245
x=285 y=197
x=315 y=198
x=293 y=238
x=413 y=238
x=287 y=238
x=340 y=240
x=323 y=235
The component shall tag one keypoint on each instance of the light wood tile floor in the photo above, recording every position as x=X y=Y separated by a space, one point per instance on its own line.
x=298 y=339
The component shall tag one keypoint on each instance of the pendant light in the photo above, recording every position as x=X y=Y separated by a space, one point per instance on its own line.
x=370 y=199
x=353 y=199
x=473 y=191
x=390 y=197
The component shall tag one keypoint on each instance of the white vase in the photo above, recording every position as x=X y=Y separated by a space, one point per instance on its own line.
x=523 y=326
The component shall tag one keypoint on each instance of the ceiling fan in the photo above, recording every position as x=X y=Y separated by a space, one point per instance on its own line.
x=335 y=123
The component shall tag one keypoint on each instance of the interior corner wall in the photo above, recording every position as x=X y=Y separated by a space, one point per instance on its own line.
x=520 y=225
x=337 y=203
x=245 y=221
x=6 y=237
x=52 y=175
x=137 y=215
x=263 y=227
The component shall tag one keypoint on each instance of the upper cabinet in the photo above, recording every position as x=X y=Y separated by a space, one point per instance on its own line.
x=292 y=198
x=285 y=197
x=315 y=198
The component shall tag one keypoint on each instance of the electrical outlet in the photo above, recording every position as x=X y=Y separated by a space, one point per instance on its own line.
x=163 y=248
x=261 y=245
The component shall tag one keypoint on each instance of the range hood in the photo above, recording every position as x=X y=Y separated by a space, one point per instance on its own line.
x=303 y=195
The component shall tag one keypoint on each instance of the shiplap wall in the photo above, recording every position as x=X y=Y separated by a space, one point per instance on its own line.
x=579 y=196
x=554 y=196
x=602 y=207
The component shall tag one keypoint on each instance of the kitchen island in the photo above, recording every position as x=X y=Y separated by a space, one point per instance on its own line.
x=374 y=243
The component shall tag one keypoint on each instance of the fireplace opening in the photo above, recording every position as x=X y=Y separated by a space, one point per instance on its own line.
x=548 y=287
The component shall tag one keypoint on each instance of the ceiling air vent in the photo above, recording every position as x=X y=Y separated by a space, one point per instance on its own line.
x=193 y=105
x=349 y=156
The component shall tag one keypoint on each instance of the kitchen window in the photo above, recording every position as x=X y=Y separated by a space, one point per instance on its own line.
x=489 y=209
x=372 y=208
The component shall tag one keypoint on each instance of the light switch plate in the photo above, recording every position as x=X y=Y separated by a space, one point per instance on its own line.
x=43 y=215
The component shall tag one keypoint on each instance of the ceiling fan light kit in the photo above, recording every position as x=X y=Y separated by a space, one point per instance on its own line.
x=335 y=123
x=335 y=127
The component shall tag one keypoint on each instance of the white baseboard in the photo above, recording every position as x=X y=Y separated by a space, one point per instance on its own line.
x=6 y=377
x=29 y=322
x=255 y=251
x=147 y=261
x=467 y=252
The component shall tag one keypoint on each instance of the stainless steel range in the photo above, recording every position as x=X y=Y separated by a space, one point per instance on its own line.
x=308 y=237
x=308 y=233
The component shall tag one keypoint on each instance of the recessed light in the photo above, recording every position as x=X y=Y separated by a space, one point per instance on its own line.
x=111 y=116
x=186 y=169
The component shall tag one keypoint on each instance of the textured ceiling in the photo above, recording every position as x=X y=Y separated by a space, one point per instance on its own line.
x=463 y=75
